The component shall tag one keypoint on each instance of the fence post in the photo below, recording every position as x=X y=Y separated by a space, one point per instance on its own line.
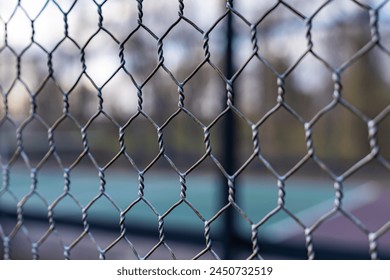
x=228 y=144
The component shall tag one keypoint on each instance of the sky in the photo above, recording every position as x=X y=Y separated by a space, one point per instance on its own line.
x=120 y=17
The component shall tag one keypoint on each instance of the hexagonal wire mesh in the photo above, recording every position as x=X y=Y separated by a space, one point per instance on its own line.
x=129 y=126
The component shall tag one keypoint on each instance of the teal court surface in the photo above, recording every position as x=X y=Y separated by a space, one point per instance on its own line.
x=103 y=201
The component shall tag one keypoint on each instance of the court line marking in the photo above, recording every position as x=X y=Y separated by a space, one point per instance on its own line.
x=357 y=198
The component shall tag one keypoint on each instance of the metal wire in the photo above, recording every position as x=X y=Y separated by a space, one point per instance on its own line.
x=160 y=125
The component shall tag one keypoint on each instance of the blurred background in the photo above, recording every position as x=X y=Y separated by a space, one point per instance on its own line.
x=74 y=74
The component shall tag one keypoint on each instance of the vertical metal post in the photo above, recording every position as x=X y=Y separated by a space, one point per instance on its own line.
x=227 y=142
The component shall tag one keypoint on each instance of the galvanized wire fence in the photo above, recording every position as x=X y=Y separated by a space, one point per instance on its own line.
x=55 y=94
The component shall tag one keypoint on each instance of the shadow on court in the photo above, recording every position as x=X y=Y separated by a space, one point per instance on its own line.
x=337 y=238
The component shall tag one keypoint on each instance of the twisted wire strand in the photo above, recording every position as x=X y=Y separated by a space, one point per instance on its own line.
x=210 y=62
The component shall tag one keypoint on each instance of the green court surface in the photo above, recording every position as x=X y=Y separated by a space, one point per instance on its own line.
x=308 y=199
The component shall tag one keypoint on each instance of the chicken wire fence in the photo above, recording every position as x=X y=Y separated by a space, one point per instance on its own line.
x=69 y=85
